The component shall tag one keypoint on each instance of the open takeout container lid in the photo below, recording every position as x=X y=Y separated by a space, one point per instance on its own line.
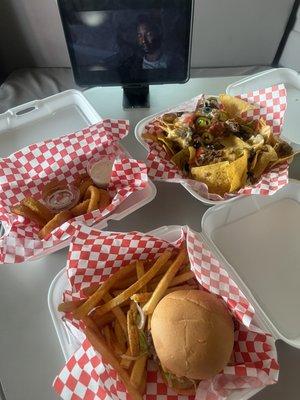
x=256 y=240
x=291 y=80
x=52 y=117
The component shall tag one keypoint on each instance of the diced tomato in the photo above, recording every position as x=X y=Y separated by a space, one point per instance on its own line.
x=187 y=118
x=199 y=152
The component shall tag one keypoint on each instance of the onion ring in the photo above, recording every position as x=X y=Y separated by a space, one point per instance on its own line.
x=55 y=222
x=80 y=208
x=26 y=212
x=38 y=208
x=93 y=194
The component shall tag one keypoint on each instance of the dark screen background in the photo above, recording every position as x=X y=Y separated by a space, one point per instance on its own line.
x=103 y=42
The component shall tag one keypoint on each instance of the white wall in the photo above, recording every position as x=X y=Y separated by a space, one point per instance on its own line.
x=291 y=54
x=226 y=32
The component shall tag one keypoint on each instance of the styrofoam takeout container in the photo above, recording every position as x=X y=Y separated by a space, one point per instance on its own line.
x=291 y=79
x=256 y=240
x=55 y=116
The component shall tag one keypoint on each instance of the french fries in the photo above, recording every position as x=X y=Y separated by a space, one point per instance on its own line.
x=98 y=342
x=118 y=313
x=164 y=283
x=92 y=301
x=134 y=287
x=114 y=322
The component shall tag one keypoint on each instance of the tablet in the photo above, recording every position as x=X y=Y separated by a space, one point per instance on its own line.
x=128 y=42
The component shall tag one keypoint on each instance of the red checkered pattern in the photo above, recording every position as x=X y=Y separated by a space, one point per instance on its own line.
x=94 y=255
x=25 y=172
x=269 y=103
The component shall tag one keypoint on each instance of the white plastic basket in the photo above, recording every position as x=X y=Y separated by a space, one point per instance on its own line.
x=56 y=116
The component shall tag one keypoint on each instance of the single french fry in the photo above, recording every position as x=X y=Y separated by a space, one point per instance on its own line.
x=98 y=342
x=186 y=276
x=138 y=371
x=69 y=306
x=103 y=320
x=143 y=385
x=164 y=283
x=92 y=301
x=88 y=291
x=107 y=335
x=141 y=297
x=144 y=297
x=126 y=362
x=118 y=313
x=182 y=287
x=120 y=336
x=122 y=297
x=118 y=351
x=140 y=271
x=125 y=283
x=90 y=323
x=133 y=332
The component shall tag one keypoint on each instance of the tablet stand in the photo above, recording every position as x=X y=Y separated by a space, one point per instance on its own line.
x=136 y=96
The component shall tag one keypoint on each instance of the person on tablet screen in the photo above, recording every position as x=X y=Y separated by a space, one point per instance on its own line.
x=149 y=38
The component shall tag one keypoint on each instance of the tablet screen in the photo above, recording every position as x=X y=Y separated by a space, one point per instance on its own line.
x=127 y=42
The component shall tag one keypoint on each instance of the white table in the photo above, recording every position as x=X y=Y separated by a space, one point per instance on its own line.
x=30 y=355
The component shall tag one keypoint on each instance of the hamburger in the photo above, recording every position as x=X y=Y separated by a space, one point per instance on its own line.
x=193 y=335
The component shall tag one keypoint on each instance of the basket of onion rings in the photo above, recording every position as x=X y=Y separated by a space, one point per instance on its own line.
x=47 y=186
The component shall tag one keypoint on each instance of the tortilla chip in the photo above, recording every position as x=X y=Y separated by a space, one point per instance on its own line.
x=265 y=158
x=234 y=142
x=167 y=143
x=215 y=176
x=287 y=159
x=184 y=156
x=147 y=135
x=234 y=106
x=238 y=172
x=265 y=130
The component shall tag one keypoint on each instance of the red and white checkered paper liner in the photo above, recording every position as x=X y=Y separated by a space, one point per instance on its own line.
x=95 y=255
x=25 y=172
x=269 y=103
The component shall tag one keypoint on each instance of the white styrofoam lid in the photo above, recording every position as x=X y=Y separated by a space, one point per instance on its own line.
x=39 y=120
x=291 y=80
x=256 y=239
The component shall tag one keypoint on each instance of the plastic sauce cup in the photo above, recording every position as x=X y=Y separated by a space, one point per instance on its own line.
x=100 y=171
